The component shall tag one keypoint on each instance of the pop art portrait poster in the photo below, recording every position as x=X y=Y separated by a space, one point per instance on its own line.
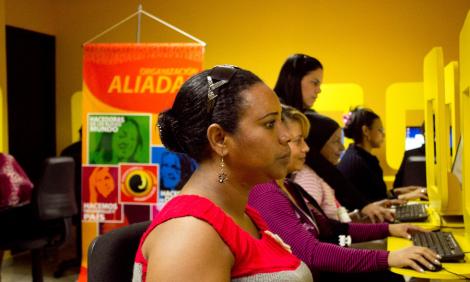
x=117 y=138
x=100 y=194
x=174 y=170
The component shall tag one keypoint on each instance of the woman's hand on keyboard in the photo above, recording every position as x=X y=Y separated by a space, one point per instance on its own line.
x=404 y=230
x=376 y=213
x=414 y=192
x=389 y=203
x=414 y=257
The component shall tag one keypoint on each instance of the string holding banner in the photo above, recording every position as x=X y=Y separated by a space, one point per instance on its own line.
x=139 y=13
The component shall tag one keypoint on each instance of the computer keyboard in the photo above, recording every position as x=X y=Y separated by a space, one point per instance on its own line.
x=411 y=213
x=443 y=243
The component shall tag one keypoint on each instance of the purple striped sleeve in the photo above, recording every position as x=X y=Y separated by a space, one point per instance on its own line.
x=282 y=219
x=367 y=232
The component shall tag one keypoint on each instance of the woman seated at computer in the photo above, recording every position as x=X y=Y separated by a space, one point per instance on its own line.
x=320 y=177
x=358 y=163
x=314 y=238
x=229 y=121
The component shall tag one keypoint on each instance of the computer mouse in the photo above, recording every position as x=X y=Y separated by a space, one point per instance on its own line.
x=437 y=267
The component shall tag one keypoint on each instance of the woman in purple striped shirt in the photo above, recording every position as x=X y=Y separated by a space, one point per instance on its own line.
x=316 y=239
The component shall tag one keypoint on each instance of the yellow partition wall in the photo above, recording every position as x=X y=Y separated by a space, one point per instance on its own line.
x=336 y=99
x=451 y=91
x=435 y=133
x=465 y=119
x=399 y=98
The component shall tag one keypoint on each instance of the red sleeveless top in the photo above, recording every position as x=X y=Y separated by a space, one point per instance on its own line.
x=252 y=256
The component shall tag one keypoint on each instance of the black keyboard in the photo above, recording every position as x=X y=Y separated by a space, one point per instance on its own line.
x=411 y=213
x=443 y=243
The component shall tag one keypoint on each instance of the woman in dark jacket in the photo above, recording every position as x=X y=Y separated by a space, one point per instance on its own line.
x=361 y=167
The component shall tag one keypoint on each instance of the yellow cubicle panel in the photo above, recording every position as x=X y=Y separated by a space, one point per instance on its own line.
x=337 y=99
x=399 y=98
x=435 y=132
x=452 y=122
x=465 y=119
x=76 y=110
x=451 y=92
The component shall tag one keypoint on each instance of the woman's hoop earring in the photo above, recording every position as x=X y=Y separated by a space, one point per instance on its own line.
x=222 y=175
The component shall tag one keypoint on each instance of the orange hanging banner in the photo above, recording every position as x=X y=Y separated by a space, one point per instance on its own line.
x=126 y=171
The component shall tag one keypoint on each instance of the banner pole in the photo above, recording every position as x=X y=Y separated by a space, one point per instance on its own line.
x=139 y=18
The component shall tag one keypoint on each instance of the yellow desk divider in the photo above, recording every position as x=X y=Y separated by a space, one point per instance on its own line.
x=399 y=98
x=461 y=268
x=443 y=198
x=465 y=122
x=452 y=105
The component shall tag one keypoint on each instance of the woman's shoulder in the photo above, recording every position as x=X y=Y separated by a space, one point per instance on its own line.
x=307 y=177
x=265 y=188
x=267 y=194
x=352 y=156
x=190 y=205
x=196 y=241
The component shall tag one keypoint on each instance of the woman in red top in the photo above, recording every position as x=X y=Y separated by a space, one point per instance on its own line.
x=229 y=121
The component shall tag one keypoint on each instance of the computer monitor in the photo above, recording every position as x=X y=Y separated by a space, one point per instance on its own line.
x=414 y=137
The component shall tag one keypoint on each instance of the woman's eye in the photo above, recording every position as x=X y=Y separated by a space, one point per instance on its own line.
x=270 y=124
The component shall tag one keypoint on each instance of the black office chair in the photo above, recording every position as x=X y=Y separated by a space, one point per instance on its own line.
x=111 y=255
x=46 y=222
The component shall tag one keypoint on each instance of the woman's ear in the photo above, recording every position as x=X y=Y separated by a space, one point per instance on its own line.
x=217 y=137
x=365 y=131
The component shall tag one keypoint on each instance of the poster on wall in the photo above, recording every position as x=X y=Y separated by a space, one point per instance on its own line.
x=127 y=174
x=175 y=170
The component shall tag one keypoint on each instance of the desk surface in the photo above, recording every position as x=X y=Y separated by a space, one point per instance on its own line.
x=436 y=221
x=462 y=268
x=432 y=223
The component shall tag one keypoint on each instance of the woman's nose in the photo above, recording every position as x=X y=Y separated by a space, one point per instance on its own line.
x=284 y=135
x=305 y=148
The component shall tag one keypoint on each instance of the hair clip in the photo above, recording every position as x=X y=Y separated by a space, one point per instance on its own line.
x=222 y=73
x=347 y=118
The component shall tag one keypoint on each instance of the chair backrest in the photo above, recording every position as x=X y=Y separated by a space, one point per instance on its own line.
x=111 y=255
x=55 y=195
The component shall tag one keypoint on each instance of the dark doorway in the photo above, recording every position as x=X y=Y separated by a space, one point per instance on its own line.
x=31 y=98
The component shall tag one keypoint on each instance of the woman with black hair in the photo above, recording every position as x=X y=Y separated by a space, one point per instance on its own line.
x=360 y=166
x=229 y=121
x=299 y=81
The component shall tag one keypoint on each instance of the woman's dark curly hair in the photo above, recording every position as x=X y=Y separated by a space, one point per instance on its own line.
x=183 y=128
x=359 y=116
x=288 y=86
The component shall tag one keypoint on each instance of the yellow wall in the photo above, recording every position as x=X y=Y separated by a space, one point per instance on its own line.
x=3 y=84
x=400 y=98
x=370 y=43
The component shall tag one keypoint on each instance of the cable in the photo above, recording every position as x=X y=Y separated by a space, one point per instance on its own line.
x=459 y=275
